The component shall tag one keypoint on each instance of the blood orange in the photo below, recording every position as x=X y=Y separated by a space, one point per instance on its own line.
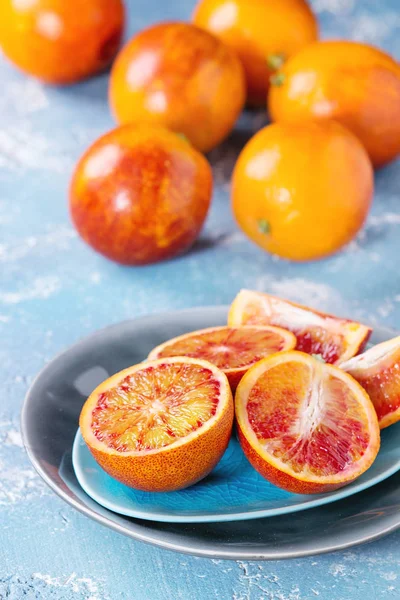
x=378 y=371
x=335 y=339
x=161 y=425
x=306 y=426
x=232 y=349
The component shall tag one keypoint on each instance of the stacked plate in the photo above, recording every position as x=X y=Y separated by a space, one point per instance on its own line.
x=233 y=513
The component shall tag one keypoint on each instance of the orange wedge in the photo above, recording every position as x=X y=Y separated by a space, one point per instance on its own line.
x=335 y=339
x=378 y=371
x=159 y=426
x=232 y=349
x=305 y=425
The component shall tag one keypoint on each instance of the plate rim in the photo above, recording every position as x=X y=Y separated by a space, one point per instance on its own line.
x=147 y=537
x=342 y=493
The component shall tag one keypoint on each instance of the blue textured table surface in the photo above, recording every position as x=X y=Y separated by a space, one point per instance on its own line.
x=54 y=290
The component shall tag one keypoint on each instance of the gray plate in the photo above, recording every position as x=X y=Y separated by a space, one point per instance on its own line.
x=50 y=419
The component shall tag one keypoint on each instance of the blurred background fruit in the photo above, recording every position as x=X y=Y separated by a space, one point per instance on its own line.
x=140 y=194
x=182 y=77
x=302 y=191
x=355 y=84
x=61 y=41
x=262 y=32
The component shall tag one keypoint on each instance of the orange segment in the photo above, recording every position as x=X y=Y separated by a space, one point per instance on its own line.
x=161 y=425
x=335 y=339
x=152 y=408
x=378 y=371
x=306 y=426
x=232 y=349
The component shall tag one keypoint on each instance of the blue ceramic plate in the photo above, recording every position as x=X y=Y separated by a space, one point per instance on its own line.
x=232 y=492
x=50 y=418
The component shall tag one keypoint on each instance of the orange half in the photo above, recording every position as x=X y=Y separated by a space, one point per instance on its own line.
x=232 y=349
x=306 y=426
x=335 y=339
x=378 y=371
x=161 y=425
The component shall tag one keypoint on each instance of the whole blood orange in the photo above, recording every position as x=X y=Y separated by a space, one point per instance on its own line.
x=140 y=194
x=302 y=191
x=61 y=41
x=264 y=34
x=334 y=339
x=231 y=349
x=159 y=426
x=182 y=77
x=304 y=425
x=378 y=371
x=355 y=84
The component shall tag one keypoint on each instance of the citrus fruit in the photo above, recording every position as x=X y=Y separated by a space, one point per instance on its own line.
x=263 y=33
x=333 y=338
x=182 y=77
x=355 y=84
x=302 y=191
x=61 y=41
x=378 y=371
x=159 y=426
x=231 y=349
x=304 y=425
x=140 y=194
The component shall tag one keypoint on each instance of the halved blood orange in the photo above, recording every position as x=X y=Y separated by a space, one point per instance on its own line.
x=232 y=349
x=335 y=339
x=161 y=425
x=305 y=425
x=378 y=371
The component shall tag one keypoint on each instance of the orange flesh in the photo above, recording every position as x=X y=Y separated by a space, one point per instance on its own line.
x=325 y=338
x=310 y=421
x=228 y=348
x=313 y=340
x=383 y=387
x=155 y=406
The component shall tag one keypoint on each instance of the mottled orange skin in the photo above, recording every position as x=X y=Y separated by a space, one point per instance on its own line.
x=61 y=41
x=173 y=469
x=257 y=30
x=302 y=191
x=355 y=84
x=170 y=468
x=182 y=77
x=140 y=194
